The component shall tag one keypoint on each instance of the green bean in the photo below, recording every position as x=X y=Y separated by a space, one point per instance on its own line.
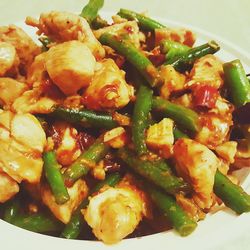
x=237 y=82
x=45 y=41
x=90 y=11
x=172 y=49
x=185 y=61
x=144 y=22
x=232 y=195
x=12 y=210
x=39 y=223
x=84 y=117
x=157 y=172
x=140 y=122
x=176 y=215
x=185 y=117
x=133 y=55
x=179 y=134
x=99 y=23
x=73 y=228
x=85 y=161
x=54 y=177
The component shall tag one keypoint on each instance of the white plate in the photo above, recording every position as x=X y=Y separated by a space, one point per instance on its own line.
x=215 y=232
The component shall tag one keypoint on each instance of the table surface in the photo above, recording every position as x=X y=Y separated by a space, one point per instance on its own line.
x=228 y=19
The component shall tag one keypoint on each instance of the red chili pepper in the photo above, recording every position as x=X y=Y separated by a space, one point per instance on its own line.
x=205 y=96
x=156 y=57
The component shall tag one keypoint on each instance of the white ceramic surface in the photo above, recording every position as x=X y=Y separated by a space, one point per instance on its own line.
x=222 y=230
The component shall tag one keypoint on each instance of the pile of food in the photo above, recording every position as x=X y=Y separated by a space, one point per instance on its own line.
x=118 y=130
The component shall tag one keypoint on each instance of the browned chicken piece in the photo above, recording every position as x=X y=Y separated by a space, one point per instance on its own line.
x=118 y=19
x=26 y=48
x=223 y=108
x=172 y=80
x=66 y=146
x=197 y=165
x=65 y=26
x=10 y=90
x=37 y=72
x=207 y=70
x=8 y=187
x=214 y=129
x=116 y=137
x=183 y=36
x=122 y=120
x=77 y=193
x=128 y=29
x=114 y=213
x=160 y=137
x=108 y=89
x=98 y=171
x=227 y=151
x=33 y=101
x=185 y=100
x=190 y=207
x=224 y=166
x=70 y=65
x=43 y=95
x=9 y=60
x=22 y=142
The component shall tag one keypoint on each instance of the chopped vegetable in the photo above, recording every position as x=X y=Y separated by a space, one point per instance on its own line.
x=133 y=55
x=237 y=82
x=185 y=61
x=54 y=177
x=186 y=118
x=145 y=22
x=141 y=118
x=85 y=161
x=178 y=218
x=232 y=195
x=157 y=172
x=90 y=11
x=87 y=118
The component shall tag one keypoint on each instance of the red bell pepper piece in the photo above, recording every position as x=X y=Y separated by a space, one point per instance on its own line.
x=205 y=96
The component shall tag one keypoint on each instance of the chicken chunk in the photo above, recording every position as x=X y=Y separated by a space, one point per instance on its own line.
x=32 y=101
x=63 y=212
x=43 y=95
x=227 y=151
x=183 y=36
x=190 y=207
x=8 y=59
x=65 y=26
x=8 y=187
x=108 y=89
x=116 y=138
x=37 y=72
x=70 y=65
x=129 y=30
x=214 y=129
x=172 y=80
x=207 y=70
x=114 y=213
x=10 y=90
x=26 y=48
x=22 y=142
x=160 y=137
x=65 y=138
x=197 y=165
x=185 y=100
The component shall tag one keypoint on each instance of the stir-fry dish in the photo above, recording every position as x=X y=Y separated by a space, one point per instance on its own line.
x=110 y=130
